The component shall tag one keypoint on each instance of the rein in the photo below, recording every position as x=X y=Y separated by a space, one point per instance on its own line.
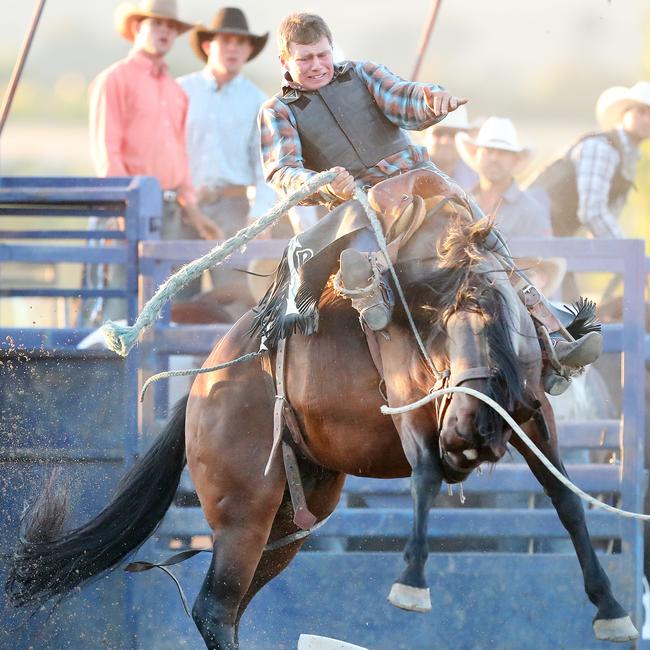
x=435 y=394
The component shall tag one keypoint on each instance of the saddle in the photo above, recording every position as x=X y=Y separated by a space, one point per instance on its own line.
x=391 y=197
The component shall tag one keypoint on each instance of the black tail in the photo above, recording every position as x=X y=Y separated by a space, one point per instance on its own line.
x=49 y=562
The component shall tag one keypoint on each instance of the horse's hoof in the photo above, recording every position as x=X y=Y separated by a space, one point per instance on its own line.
x=412 y=598
x=618 y=630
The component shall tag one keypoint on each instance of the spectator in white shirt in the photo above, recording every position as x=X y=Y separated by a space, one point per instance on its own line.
x=223 y=137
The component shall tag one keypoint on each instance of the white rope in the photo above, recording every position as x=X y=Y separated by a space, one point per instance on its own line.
x=387 y=410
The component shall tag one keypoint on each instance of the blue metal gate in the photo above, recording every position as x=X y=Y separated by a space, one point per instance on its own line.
x=483 y=595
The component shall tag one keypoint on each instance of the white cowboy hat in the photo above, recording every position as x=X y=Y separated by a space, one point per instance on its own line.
x=613 y=102
x=127 y=13
x=457 y=119
x=496 y=133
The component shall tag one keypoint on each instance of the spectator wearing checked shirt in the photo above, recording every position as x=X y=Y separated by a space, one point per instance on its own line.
x=588 y=187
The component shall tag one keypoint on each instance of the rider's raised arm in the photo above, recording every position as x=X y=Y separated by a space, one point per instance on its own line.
x=282 y=152
x=403 y=102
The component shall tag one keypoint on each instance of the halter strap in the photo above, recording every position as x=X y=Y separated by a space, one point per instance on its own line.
x=480 y=372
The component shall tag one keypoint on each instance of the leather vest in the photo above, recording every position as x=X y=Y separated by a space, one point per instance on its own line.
x=559 y=182
x=341 y=125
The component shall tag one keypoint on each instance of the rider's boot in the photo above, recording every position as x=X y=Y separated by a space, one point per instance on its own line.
x=580 y=353
x=361 y=276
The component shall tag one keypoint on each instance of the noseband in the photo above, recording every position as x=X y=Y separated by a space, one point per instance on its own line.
x=447 y=381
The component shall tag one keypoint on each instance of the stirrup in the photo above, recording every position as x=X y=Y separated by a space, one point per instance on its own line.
x=359 y=278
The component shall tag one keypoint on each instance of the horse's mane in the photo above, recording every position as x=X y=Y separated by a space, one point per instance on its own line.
x=461 y=281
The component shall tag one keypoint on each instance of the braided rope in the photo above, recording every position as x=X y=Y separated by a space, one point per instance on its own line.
x=196 y=371
x=121 y=339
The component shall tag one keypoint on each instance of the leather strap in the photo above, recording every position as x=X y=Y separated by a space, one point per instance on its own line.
x=283 y=414
x=480 y=372
x=536 y=305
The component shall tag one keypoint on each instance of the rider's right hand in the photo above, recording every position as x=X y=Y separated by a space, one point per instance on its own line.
x=343 y=185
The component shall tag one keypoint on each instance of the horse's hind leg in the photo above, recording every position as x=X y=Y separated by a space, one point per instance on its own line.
x=410 y=591
x=240 y=537
x=322 y=495
x=612 y=622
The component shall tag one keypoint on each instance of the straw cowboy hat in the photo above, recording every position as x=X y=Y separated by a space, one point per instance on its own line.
x=127 y=13
x=613 y=102
x=228 y=20
x=496 y=133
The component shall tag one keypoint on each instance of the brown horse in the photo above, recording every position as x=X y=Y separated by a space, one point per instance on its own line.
x=473 y=326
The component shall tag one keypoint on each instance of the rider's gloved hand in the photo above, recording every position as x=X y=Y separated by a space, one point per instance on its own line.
x=343 y=185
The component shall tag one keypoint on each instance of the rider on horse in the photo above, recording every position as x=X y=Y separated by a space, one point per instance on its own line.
x=351 y=118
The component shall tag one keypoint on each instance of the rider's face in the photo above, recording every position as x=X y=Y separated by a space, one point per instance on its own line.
x=311 y=66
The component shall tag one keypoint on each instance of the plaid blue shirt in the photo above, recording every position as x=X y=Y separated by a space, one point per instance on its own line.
x=402 y=102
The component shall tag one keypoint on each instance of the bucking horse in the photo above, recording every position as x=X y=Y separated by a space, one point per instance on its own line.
x=326 y=394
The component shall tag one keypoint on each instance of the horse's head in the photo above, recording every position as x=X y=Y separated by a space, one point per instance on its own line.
x=481 y=351
x=480 y=334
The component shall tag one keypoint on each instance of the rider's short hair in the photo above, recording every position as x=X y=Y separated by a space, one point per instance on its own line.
x=301 y=28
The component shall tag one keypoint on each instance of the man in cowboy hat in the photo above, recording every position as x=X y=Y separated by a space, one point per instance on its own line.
x=589 y=185
x=496 y=155
x=223 y=139
x=138 y=112
x=350 y=118
x=443 y=151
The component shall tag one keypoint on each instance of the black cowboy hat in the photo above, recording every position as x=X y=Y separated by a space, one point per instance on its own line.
x=228 y=20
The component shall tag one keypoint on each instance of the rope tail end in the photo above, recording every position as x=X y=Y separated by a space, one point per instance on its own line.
x=119 y=338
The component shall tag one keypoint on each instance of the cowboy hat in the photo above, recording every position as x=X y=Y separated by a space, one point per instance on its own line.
x=613 y=102
x=228 y=20
x=496 y=133
x=127 y=13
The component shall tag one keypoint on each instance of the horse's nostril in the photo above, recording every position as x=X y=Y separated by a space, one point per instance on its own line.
x=470 y=454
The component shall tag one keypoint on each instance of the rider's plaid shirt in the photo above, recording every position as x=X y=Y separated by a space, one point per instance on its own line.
x=402 y=102
x=596 y=162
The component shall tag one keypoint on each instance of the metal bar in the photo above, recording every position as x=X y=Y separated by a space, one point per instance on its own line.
x=633 y=433
x=50 y=454
x=62 y=254
x=426 y=36
x=20 y=64
x=16 y=212
x=64 y=293
x=62 y=234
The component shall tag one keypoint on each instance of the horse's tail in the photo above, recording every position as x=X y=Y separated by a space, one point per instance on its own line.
x=49 y=562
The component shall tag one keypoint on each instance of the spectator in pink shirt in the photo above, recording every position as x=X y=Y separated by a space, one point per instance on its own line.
x=138 y=127
x=138 y=114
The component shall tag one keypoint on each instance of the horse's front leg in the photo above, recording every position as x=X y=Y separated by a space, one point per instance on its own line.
x=612 y=623
x=410 y=591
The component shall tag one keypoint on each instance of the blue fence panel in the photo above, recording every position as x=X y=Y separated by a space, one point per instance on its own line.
x=74 y=408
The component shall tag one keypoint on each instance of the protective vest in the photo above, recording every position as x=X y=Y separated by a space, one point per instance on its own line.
x=560 y=183
x=341 y=125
